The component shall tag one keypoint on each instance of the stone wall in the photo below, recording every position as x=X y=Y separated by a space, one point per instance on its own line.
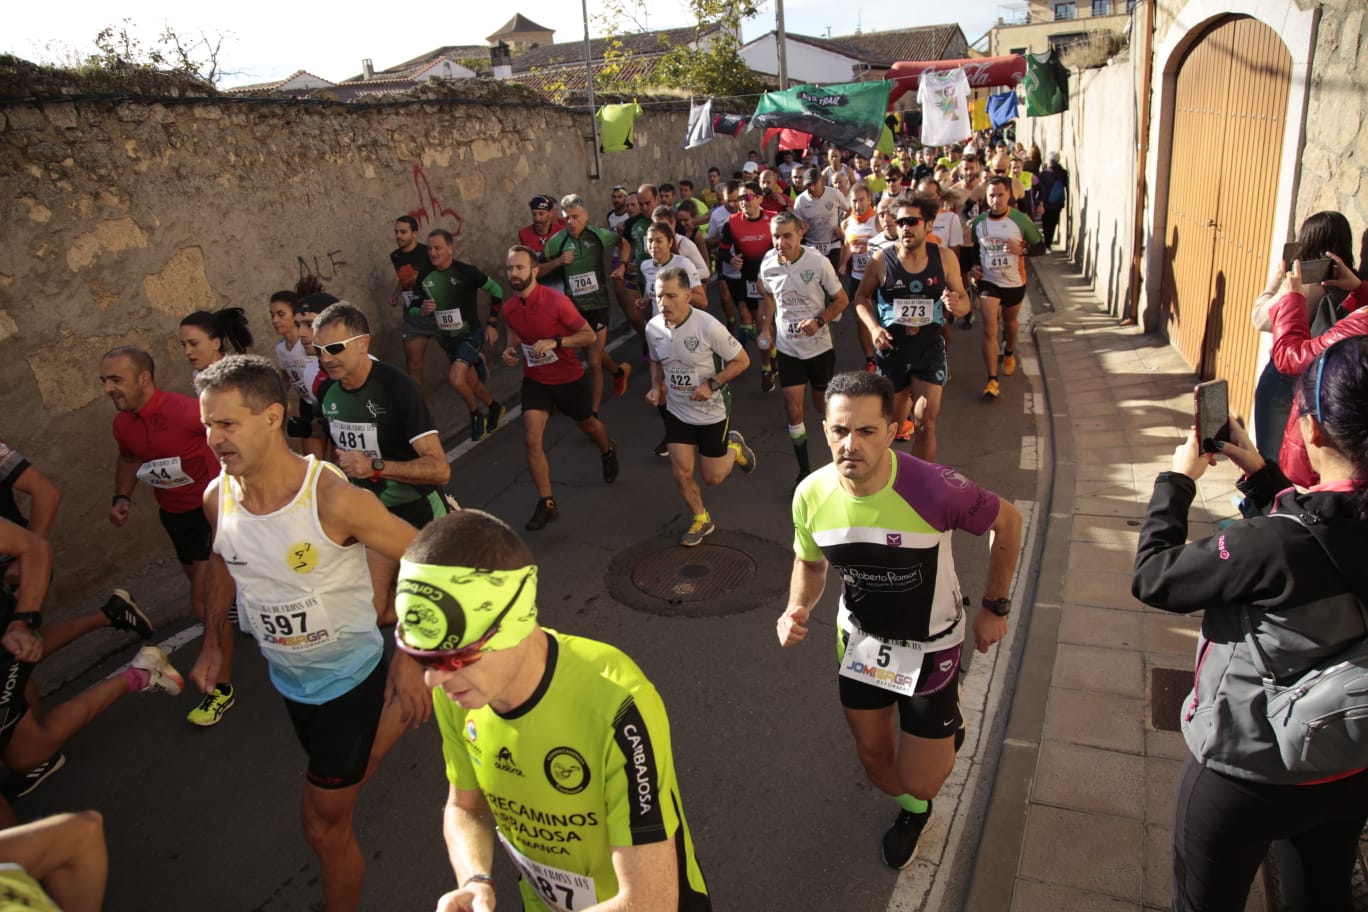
x=1096 y=139
x=124 y=215
x=1334 y=163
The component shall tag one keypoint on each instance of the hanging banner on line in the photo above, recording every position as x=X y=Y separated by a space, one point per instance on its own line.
x=848 y=115
x=700 y=128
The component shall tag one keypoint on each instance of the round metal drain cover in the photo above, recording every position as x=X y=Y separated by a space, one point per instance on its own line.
x=696 y=574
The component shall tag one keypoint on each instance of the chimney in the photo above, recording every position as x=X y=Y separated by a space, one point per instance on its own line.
x=367 y=70
x=501 y=58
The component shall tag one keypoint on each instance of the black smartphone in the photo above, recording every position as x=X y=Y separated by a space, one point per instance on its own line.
x=1290 y=251
x=1211 y=409
x=1316 y=271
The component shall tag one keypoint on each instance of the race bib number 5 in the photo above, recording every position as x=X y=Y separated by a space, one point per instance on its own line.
x=890 y=664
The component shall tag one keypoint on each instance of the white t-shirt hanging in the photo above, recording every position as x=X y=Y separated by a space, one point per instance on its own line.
x=944 y=100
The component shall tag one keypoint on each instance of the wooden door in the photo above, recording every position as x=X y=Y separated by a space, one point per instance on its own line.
x=1230 y=112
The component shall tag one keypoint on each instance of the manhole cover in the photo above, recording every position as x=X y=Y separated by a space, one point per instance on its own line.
x=693 y=574
x=1168 y=687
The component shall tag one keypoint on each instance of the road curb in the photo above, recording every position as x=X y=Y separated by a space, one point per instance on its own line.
x=1007 y=787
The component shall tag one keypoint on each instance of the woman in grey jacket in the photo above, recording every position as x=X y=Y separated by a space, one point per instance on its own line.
x=1305 y=595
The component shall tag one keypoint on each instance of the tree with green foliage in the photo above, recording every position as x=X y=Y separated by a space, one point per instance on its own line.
x=714 y=67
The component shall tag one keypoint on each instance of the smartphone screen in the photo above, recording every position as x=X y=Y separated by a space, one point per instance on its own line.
x=1316 y=271
x=1212 y=410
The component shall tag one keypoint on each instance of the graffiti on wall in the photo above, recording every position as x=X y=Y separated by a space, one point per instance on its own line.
x=325 y=266
x=430 y=208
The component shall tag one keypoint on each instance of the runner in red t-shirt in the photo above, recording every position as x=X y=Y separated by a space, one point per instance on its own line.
x=544 y=224
x=162 y=443
x=542 y=325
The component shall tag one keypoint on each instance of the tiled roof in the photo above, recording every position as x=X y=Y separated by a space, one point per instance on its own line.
x=639 y=43
x=265 y=88
x=555 y=80
x=519 y=23
x=455 y=52
x=931 y=42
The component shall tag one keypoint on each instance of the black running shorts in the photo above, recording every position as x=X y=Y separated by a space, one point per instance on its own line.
x=1007 y=297
x=711 y=439
x=917 y=357
x=191 y=533
x=815 y=372
x=338 y=735
x=575 y=399
x=934 y=714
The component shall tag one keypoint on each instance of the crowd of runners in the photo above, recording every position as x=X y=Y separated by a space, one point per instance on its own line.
x=304 y=495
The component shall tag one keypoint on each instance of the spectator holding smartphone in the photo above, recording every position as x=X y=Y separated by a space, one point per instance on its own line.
x=1299 y=594
x=1295 y=346
x=1321 y=234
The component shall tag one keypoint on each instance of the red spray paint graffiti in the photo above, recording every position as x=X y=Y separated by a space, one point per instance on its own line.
x=430 y=207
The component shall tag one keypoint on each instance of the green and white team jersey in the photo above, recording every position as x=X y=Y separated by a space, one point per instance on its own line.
x=991 y=233
x=583 y=767
x=586 y=279
x=688 y=355
x=801 y=290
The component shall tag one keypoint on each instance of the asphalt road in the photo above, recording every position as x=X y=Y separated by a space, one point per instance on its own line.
x=781 y=812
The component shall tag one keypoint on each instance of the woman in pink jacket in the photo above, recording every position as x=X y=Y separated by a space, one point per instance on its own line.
x=1294 y=348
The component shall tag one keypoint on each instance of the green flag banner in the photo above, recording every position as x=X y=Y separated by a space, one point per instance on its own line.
x=849 y=115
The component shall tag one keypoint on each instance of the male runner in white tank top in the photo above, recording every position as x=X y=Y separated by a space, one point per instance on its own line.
x=293 y=533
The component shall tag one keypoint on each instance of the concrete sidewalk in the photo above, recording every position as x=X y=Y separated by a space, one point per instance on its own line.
x=1081 y=812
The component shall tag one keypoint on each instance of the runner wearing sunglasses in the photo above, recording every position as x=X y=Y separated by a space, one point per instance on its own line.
x=914 y=281
x=383 y=437
x=555 y=745
x=294 y=536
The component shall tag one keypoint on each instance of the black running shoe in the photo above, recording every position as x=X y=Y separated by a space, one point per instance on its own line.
x=124 y=614
x=20 y=784
x=900 y=842
x=610 y=463
x=478 y=430
x=546 y=512
x=662 y=448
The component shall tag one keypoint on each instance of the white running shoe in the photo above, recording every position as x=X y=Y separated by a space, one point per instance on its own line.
x=161 y=674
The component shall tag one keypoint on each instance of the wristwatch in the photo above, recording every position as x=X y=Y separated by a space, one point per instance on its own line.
x=557 y=340
x=32 y=618
x=1001 y=607
x=713 y=384
x=377 y=466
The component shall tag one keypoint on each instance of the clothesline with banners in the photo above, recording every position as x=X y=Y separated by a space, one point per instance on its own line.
x=852 y=116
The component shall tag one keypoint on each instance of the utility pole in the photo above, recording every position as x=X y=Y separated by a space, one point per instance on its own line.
x=781 y=43
x=589 y=76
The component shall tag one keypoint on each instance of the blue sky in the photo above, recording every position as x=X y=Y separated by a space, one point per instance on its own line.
x=269 y=41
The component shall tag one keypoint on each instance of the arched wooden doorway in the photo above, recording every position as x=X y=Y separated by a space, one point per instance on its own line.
x=1230 y=109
